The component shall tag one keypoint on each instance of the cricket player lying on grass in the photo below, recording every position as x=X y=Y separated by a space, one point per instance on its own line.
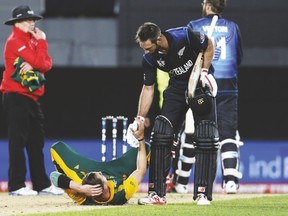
x=88 y=182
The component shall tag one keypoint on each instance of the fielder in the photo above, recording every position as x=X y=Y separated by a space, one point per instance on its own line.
x=88 y=182
x=228 y=56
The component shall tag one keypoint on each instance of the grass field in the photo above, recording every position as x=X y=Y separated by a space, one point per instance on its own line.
x=230 y=205
x=253 y=206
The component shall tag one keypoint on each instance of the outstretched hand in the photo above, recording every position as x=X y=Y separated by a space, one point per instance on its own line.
x=139 y=132
x=135 y=132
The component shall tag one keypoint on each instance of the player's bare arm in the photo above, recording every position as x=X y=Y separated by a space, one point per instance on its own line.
x=87 y=190
x=145 y=100
x=208 y=54
x=140 y=171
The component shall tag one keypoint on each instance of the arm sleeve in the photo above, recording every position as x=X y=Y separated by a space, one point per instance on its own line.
x=149 y=70
x=131 y=187
x=39 y=58
x=63 y=181
x=197 y=40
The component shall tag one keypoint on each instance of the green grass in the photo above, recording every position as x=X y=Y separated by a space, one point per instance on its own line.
x=262 y=206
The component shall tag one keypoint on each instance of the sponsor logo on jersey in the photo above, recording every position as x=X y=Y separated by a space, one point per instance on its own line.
x=115 y=183
x=182 y=69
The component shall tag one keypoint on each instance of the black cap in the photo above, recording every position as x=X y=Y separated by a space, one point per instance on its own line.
x=22 y=12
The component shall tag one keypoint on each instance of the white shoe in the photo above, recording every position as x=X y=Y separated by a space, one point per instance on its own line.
x=231 y=187
x=181 y=188
x=152 y=199
x=202 y=200
x=52 y=190
x=24 y=191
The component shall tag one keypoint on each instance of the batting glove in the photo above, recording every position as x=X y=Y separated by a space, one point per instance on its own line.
x=208 y=81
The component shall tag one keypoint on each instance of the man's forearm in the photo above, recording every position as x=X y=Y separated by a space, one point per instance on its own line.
x=145 y=100
x=76 y=187
x=208 y=55
x=142 y=157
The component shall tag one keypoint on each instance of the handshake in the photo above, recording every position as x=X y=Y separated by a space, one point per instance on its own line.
x=135 y=132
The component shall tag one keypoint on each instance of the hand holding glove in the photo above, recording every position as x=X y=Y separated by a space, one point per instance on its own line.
x=131 y=139
x=208 y=81
x=135 y=132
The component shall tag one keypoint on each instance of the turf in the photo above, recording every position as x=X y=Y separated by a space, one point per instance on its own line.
x=262 y=206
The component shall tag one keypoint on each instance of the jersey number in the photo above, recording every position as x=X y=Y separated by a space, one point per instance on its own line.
x=221 y=44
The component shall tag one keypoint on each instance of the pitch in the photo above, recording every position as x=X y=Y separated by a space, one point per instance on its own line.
x=19 y=205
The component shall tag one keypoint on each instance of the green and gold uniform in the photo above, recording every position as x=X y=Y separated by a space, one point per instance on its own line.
x=75 y=166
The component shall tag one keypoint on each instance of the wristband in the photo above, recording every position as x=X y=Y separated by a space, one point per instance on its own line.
x=143 y=138
x=204 y=70
x=141 y=118
x=64 y=181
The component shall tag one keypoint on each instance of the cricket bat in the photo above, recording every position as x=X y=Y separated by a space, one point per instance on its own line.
x=196 y=71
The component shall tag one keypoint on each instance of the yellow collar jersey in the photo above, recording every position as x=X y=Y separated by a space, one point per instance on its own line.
x=121 y=191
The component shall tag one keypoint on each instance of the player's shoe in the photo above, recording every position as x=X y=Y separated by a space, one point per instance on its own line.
x=152 y=199
x=202 y=200
x=24 y=191
x=231 y=187
x=52 y=190
x=181 y=188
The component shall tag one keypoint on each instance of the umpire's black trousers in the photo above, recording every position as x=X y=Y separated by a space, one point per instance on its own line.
x=25 y=120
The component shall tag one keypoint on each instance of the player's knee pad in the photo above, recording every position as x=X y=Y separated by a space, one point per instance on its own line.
x=230 y=158
x=162 y=138
x=162 y=132
x=206 y=135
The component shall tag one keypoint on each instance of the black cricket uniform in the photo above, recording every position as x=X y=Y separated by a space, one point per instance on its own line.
x=184 y=47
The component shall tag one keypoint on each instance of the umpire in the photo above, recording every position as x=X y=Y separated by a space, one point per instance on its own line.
x=21 y=105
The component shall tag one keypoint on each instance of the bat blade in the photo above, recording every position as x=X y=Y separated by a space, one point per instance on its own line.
x=196 y=71
x=195 y=74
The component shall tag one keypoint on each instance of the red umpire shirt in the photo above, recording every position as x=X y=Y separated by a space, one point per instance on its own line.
x=35 y=52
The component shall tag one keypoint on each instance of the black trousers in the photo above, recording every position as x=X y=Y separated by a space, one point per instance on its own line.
x=25 y=122
x=227 y=113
